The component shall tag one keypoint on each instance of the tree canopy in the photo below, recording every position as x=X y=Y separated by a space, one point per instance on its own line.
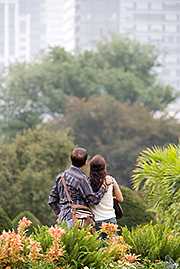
x=121 y=68
x=27 y=169
x=118 y=131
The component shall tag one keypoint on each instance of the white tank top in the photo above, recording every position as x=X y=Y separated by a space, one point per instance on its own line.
x=104 y=210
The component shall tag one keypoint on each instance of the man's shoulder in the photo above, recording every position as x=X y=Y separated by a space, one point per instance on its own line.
x=77 y=172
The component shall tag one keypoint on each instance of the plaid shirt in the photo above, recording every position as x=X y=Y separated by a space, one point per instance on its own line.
x=79 y=189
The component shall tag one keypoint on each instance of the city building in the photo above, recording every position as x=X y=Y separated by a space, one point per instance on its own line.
x=36 y=9
x=87 y=22
x=22 y=30
x=54 y=22
x=28 y=27
x=14 y=33
x=158 y=23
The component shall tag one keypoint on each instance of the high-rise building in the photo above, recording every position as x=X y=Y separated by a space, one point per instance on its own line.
x=36 y=9
x=22 y=30
x=158 y=23
x=14 y=33
x=54 y=22
x=87 y=22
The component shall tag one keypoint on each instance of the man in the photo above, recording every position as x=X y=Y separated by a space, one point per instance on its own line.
x=78 y=186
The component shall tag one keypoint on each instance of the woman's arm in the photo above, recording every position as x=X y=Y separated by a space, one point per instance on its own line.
x=117 y=192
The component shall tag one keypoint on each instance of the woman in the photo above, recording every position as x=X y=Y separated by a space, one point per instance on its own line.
x=104 y=211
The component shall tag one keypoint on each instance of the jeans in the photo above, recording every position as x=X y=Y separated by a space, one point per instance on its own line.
x=69 y=223
x=100 y=222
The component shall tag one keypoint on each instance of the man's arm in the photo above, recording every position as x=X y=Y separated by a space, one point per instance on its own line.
x=53 y=199
x=91 y=198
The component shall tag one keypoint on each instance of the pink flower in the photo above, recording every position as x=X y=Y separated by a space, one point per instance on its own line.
x=56 y=232
x=35 y=248
x=11 y=246
x=54 y=253
x=24 y=223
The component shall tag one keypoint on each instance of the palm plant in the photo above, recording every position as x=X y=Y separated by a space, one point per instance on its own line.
x=157 y=174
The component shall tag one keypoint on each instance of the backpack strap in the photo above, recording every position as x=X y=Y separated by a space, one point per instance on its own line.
x=73 y=206
x=62 y=179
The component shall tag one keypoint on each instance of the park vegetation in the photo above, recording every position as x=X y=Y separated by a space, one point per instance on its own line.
x=110 y=101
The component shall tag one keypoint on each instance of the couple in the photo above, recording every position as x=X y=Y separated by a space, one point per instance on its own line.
x=95 y=192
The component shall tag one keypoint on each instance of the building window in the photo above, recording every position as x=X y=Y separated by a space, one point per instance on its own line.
x=171 y=17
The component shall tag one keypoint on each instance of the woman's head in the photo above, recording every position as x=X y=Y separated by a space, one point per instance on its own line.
x=97 y=171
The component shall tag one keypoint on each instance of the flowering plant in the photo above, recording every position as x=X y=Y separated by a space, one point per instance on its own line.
x=16 y=248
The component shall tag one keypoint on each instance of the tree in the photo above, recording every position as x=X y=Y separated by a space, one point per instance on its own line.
x=119 y=67
x=157 y=174
x=117 y=130
x=5 y=222
x=28 y=166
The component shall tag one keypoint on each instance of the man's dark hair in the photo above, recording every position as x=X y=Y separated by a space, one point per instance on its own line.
x=79 y=157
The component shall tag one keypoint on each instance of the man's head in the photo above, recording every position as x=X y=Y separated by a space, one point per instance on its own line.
x=79 y=157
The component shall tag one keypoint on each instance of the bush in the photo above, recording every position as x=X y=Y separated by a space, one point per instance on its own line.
x=84 y=249
x=157 y=175
x=81 y=248
x=28 y=168
x=153 y=241
x=28 y=215
x=134 y=208
x=5 y=222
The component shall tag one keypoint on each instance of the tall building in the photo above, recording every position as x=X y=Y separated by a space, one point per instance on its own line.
x=14 y=33
x=158 y=23
x=86 y=22
x=54 y=22
x=36 y=9
x=22 y=30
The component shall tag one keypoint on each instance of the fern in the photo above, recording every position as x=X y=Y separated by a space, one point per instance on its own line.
x=157 y=174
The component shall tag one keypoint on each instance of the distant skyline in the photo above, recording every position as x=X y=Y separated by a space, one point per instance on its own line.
x=28 y=27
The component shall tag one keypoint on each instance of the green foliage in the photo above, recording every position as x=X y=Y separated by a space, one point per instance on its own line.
x=29 y=216
x=83 y=249
x=120 y=67
x=117 y=131
x=153 y=241
x=5 y=222
x=27 y=168
x=135 y=211
x=42 y=265
x=41 y=235
x=158 y=174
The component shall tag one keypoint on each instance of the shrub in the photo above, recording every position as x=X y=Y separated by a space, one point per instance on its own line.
x=41 y=235
x=84 y=249
x=157 y=175
x=153 y=241
x=134 y=208
x=5 y=222
x=28 y=215
x=17 y=249
x=27 y=169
